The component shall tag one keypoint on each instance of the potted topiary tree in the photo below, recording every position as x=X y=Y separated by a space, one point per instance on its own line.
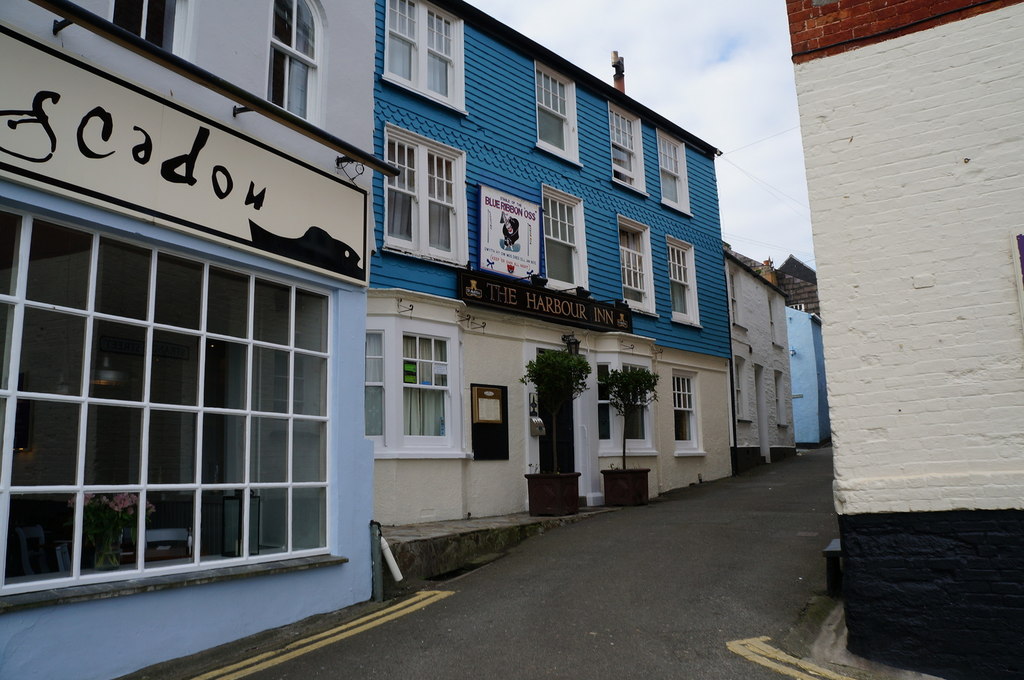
x=629 y=391
x=558 y=377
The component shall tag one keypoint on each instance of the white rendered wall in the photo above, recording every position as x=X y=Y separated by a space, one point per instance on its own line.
x=915 y=158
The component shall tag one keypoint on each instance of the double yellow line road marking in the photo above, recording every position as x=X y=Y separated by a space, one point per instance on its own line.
x=312 y=643
x=755 y=649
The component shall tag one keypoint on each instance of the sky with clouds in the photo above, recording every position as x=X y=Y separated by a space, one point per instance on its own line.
x=722 y=71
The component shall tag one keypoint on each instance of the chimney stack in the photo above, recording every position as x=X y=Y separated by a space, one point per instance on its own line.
x=619 y=64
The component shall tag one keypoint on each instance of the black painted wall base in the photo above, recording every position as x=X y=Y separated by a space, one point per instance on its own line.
x=747 y=457
x=937 y=592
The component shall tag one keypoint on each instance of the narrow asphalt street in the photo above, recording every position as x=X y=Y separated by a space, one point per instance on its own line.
x=649 y=592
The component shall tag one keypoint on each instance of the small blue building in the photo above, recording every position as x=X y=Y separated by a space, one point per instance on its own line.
x=807 y=368
x=537 y=205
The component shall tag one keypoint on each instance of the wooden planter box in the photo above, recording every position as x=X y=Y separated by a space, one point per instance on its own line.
x=625 y=487
x=553 y=494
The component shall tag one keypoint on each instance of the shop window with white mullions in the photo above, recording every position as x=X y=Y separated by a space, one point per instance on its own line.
x=166 y=413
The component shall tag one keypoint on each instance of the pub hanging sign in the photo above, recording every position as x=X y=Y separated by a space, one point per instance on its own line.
x=72 y=129
x=481 y=288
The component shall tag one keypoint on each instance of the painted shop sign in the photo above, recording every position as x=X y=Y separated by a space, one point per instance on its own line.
x=70 y=128
x=496 y=291
x=509 y=234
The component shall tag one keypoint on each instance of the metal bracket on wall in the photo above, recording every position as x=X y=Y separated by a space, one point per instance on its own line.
x=461 y=317
x=403 y=308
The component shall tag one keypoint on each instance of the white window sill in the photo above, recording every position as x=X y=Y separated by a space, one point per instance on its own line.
x=390 y=248
x=626 y=185
x=641 y=310
x=689 y=453
x=677 y=208
x=421 y=454
x=554 y=151
x=630 y=453
x=686 y=322
x=409 y=87
x=739 y=326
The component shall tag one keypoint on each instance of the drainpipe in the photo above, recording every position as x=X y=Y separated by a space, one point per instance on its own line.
x=378 y=574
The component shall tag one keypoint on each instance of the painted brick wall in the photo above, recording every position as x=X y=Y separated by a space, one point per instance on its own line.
x=942 y=593
x=914 y=157
x=498 y=134
x=821 y=28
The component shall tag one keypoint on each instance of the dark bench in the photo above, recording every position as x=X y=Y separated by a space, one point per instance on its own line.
x=833 y=553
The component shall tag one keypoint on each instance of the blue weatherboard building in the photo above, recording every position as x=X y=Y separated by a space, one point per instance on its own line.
x=537 y=208
x=807 y=367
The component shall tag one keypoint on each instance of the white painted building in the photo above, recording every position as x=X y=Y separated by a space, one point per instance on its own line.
x=914 y=161
x=762 y=394
x=183 y=271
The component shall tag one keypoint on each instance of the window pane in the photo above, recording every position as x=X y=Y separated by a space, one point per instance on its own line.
x=374 y=407
x=310 y=390
x=275 y=89
x=635 y=425
x=424 y=412
x=669 y=187
x=269 y=450
x=559 y=260
x=118 y=355
x=283 y=21
x=305 y=39
x=298 y=85
x=437 y=75
x=113 y=445
x=678 y=297
x=227 y=307
x=271 y=313
x=310 y=321
x=400 y=58
x=175 y=368
x=268 y=522
x=440 y=227
x=128 y=15
x=400 y=215
x=109 y=526
x=160 y=22
x=221 y=533
x=269 y=380
x=45 y=443
x=9 y=231
x=682 y=426
x=224 y=383
x=40 y=537
x=51 y=352
x=172 y=447
x=179 y=288
x=58 y=270
x=550 y=127
x=122 y=285
x=309 y=451
x=309 y=518
x=169 y=532
x=223 y=449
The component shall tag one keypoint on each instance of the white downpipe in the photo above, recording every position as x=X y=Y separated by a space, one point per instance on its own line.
x=385 y=550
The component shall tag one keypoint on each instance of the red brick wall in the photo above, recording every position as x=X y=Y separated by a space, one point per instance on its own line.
x=820 y=28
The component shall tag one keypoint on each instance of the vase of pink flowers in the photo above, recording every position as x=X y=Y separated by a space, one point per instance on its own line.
x=105 y=519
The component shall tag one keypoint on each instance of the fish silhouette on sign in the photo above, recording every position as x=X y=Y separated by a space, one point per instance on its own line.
x=315 y=247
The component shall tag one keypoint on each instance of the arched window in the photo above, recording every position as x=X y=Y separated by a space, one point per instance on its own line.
x=293 y=57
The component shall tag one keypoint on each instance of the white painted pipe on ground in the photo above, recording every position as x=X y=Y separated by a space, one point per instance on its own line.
x=385 y=550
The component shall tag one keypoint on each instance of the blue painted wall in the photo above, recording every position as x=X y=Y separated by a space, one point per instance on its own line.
x=498 y=135
x=807 y=370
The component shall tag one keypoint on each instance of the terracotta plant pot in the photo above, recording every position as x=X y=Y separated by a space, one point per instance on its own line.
x=625 y=487
x=553 y=494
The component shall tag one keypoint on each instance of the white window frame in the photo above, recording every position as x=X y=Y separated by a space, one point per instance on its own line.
x=394 y=443
x=780 y=400
x=740 y=387
x=683 y=272
x=734 y=293
x=612 y=445
x=626 y=136
x=381 y=384
x=573 y=206
x=419 y=244
x=84 y=399
x=635 y=265
x=310 y=109
x=409 y=22
x=180 y=31
x=544 y=96
x=691 y=446
x=672 y=170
